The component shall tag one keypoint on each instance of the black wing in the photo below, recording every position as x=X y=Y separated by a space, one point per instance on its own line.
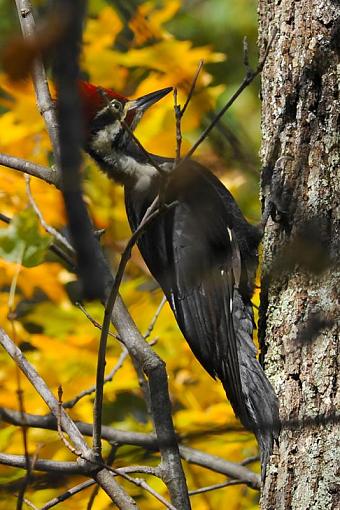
x=203 y=254
x=194 y=254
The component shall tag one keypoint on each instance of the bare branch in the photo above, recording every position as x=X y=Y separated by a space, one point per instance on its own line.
x=147 y=441
x=43 y=390
x=110 y=459
x=68 y=468
x=89 y=483
x=5 y=218
x=74 y=468
x=48 y=228
x=45 y=103
x=48 y=466
x=49 y=422
x=22 y=165
x=116 y=493
x=221 y=466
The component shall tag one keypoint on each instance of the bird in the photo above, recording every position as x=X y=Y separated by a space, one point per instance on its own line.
x=202 y=252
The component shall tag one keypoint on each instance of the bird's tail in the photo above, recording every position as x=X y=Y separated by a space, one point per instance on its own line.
x=260 y=411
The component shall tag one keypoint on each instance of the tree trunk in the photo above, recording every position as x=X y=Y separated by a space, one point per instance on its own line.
x=300 y=280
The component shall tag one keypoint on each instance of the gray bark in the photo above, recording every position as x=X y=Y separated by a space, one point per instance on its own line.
x=300 y=297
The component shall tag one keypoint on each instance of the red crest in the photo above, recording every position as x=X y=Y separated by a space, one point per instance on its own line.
x=93 y=98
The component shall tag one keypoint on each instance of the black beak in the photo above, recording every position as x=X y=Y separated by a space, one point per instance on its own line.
x=144 y=102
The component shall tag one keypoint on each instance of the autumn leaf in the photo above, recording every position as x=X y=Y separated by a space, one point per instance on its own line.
x=22 y=242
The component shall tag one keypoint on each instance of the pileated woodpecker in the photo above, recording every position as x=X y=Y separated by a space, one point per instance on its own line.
x=203 y=253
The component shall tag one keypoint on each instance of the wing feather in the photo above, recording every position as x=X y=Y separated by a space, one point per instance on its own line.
x=193 y=253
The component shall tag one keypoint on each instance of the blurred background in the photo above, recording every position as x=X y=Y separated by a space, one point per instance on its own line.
x=133 y=47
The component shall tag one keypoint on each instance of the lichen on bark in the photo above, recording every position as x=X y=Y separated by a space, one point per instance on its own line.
x=300 y=296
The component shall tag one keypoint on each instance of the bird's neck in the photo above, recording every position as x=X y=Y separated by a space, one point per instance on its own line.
x=128 y=165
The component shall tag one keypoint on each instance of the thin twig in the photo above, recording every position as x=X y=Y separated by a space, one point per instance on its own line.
x=144 y=485
x=68 y=494
x=216 y=486
x=249 y=77
x=48 y=228
x=155 y=318
x=20 y=394
x=180 y=112
x=178 y=118
x=151 y=214
x=250 y=460
x=30 y=504
x=92 y=497
x=151 y=160
x=60 y=432
x=93 y=320
x=139 y=482
x=89 y=483
x=72 y=402
x=45 y=465
x=143 y=383
x=192 y=88
x=235 y=471
x=5 y=218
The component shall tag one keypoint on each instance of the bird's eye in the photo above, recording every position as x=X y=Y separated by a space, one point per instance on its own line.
x=117 y=105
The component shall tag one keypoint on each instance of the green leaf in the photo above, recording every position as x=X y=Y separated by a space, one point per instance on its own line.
x=22 y=241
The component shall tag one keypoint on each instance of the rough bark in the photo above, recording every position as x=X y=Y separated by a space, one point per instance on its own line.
x=300 y=297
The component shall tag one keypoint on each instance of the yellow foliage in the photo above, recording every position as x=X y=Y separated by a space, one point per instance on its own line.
x=59 y=340
x=147 y=21
x=18 y=136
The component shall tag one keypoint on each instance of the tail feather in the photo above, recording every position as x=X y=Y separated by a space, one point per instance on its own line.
x=261 y=413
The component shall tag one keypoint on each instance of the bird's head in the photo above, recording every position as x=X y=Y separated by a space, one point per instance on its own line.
x=106 y=112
